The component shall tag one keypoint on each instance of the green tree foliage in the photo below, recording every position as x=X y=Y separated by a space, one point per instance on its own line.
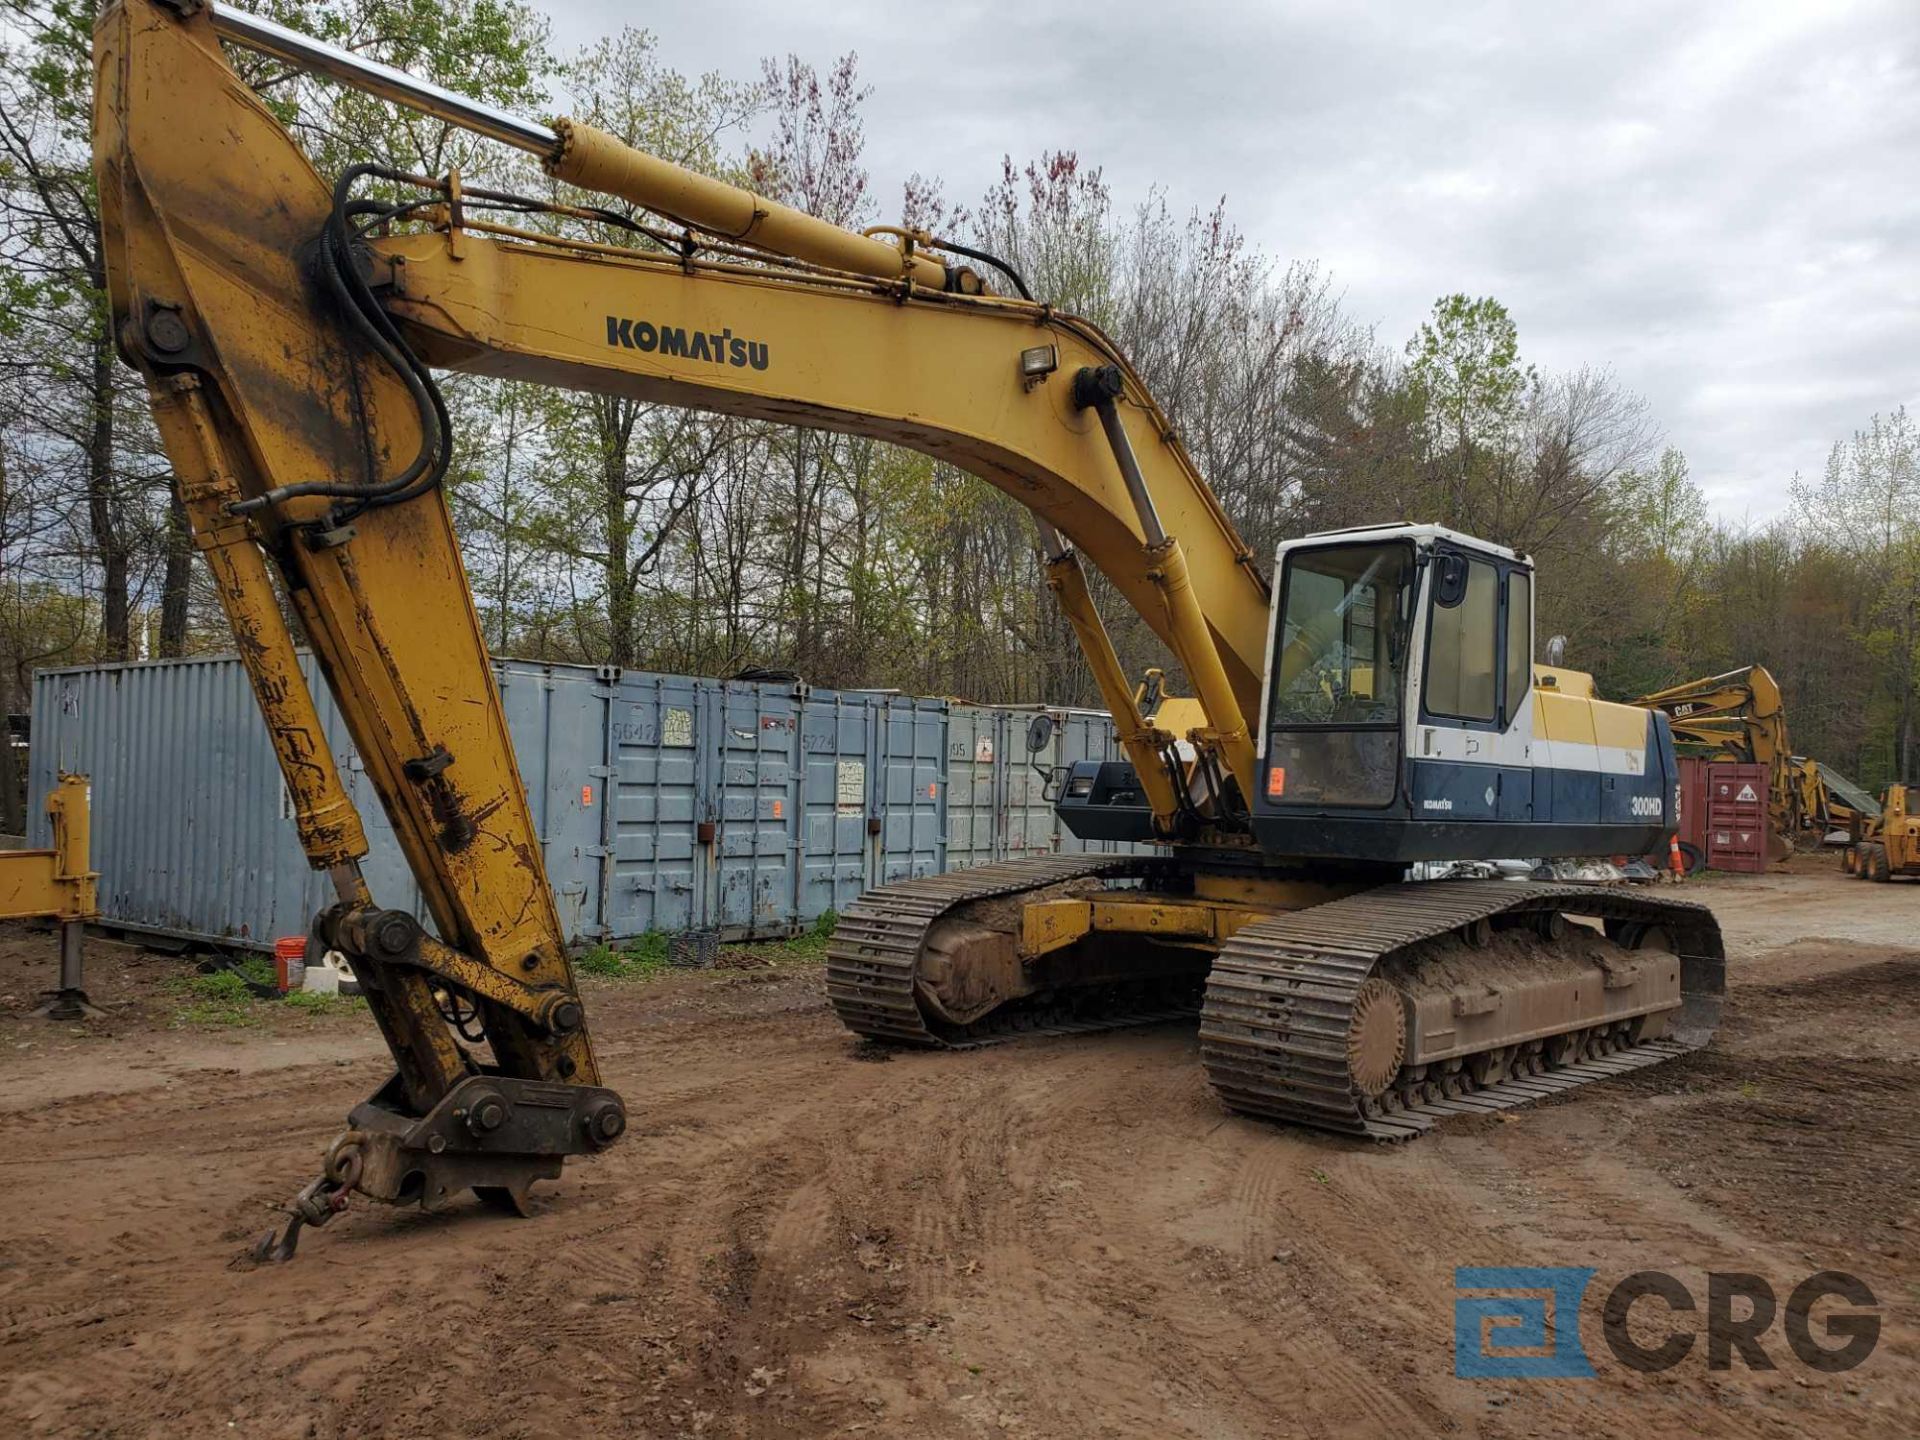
x=1864 y=513
x=1464 y=362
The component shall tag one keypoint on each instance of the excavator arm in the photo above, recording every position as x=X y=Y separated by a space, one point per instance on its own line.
x=1740 y=716
x=288 y=330
x=1742 y=707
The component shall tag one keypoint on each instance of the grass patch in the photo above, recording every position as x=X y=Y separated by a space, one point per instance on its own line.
x=811 y=944
x=312 y=1002
x=647 y=956
x=255 y=970
x=638 y=959
x=221 y=999
x=215 y=1014
x=219 y=987
x=225 y=998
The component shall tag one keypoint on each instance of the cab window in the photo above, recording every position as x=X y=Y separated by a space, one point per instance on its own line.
x=1338 y=653
x=1463 y=647
x=1519 y=641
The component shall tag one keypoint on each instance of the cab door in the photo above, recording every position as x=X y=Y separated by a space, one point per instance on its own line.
x=1475 y=724
x=1516 y=797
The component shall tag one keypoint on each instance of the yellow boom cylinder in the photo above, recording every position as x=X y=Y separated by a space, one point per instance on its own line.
x=595 y=160
x=1187 y=624
x=1068 y=581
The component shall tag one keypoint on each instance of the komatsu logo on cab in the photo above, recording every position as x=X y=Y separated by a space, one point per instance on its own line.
x=716 y=347
x=1436 y=805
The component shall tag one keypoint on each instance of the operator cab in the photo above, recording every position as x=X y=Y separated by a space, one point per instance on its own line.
x=1385 y=632
x=1402 y=721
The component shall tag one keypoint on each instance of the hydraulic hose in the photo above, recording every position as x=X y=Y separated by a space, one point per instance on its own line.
x=369 y=321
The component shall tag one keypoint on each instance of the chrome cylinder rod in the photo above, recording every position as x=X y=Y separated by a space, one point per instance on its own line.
x=255 y=32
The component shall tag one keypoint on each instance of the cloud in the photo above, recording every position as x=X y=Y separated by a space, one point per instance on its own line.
x=1716 y=201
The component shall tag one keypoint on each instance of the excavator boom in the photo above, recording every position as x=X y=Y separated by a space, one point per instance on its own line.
x=288 y=351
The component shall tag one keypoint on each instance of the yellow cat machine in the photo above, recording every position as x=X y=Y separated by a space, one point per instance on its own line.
x=1365 y=703
x=1741 y=717
x=1886 y=843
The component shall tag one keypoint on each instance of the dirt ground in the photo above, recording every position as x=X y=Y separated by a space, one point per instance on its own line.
x=1060 y=1237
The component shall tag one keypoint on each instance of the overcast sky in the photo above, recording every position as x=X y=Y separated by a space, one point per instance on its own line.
x=1718 y=201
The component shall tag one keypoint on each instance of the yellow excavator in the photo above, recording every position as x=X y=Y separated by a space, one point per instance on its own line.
x=1366 y=704
x=1741 y=716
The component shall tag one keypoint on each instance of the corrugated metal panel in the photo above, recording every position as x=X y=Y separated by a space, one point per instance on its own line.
x=663 y=802
x=193 y=831
x=188 y=830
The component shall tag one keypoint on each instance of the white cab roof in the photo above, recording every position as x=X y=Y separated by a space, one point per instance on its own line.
x=1397 y=530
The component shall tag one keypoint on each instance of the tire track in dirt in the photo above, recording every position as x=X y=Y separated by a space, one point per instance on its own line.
x=1051 y=1238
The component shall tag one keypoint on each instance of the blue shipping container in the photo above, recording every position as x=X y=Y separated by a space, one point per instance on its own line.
x=663 y=802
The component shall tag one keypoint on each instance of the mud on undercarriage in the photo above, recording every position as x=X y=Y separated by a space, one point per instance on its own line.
x=1374 y=1015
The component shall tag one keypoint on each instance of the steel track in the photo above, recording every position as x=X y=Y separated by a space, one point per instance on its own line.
x=876 y=947
x=1278 y=1002
x=1273 y=1031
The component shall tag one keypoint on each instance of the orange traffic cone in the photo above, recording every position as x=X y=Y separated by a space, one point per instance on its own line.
x=1674 y=857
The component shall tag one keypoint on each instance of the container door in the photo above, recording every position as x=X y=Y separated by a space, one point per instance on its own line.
x=653 y=732
x=1737 y=821
x=973 y=752
x=833 y=842
x=1025 y=820
x=759 y=765
x=910 y=760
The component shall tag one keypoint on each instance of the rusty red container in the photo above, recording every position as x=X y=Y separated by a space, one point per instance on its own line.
x=1736 y=817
